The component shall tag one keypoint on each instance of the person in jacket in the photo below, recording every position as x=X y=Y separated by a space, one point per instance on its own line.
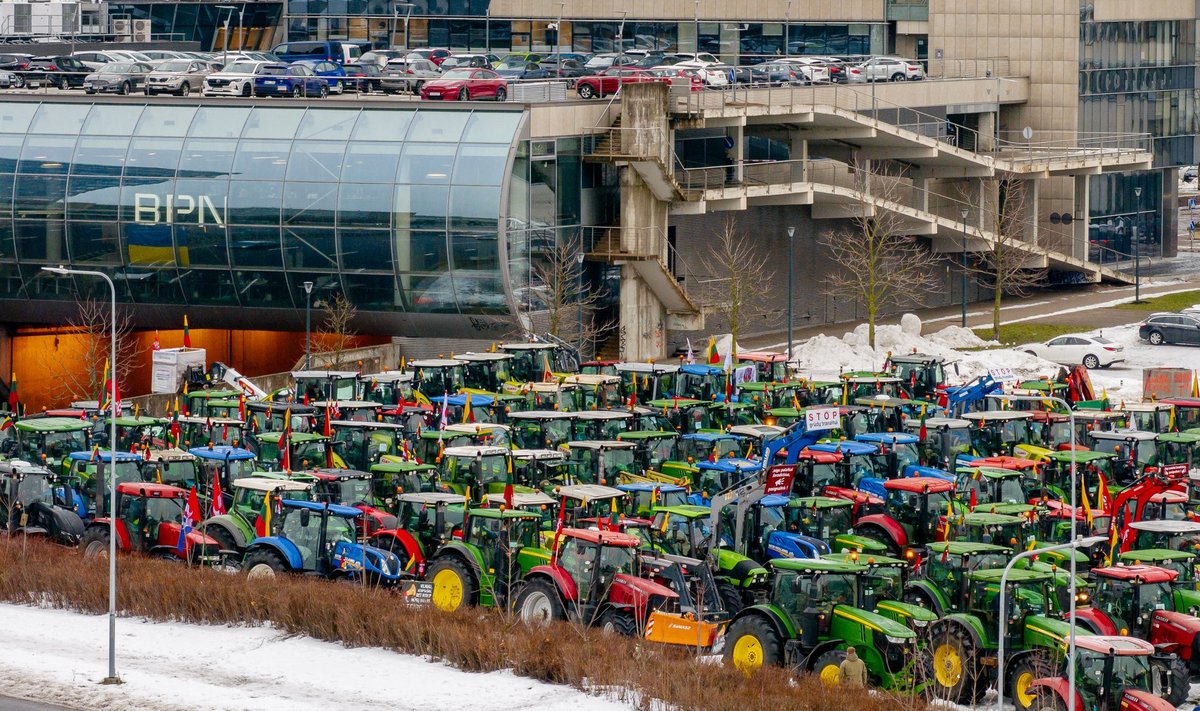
x=852 y=672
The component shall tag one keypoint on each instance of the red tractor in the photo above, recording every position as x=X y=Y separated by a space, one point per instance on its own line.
x=1111 y=674
x=914 y=515
x=149 y=520
x=592 y=578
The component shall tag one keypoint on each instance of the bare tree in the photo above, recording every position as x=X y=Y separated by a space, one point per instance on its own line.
x=1004 y=262
x=881 y=263
x=335 y=335
x=737 y=287
x=564 y=297
x=79 y=372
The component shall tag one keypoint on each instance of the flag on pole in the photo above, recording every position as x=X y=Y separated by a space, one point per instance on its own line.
x=924 y=433
x=468 y=416
x=262 y=527
x=13 y=398
x=691 y=355
x=508 y=485
x=558 y=528
x=329 y=434
x=711 y=357
x=445 y=418
x=154 y=346
x=547 y=374
x=1195 y=385
x=633 y=393
x=218 y=500
x=187 y=333
x=285 y=441
x=191 y=513
x=108 y=399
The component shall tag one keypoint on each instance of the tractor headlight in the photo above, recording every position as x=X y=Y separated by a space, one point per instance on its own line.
x=898 y=640
x=920 y=623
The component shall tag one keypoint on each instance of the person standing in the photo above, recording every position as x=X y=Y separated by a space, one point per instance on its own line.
x=852 y=672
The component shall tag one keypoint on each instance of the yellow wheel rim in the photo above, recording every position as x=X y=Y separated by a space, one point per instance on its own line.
x=830 y=674
x=447 y=590
x=1025 y=699
x=747 y=653
x=947 y=665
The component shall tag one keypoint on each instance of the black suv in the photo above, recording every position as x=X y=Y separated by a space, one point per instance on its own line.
x=60 y=72
x=1171 y=328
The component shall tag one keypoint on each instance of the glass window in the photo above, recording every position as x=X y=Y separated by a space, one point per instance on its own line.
x=165 y=121
x=382 y=125
x=262 y=289
x=309 y=248
x=419 y=251
x=369 y=250
x=491 y=127
x=371 y=162
x=60 y=118
x=365 y=205
x=421 y=206
x=41 y=241
x=15 y=118
x=150 y=245
x=161 y=286
x=437 y=126
x=93 y=198
x=272 y=123
x=201 y=246
x=153 y=157
x=40 y=196
x=206 y=157
x=480 y=164
x=262 y=160
x=254 y=202
x=256 y=247
x=47 y=155
x=480 y=294
x=94 y=242
x=8 y=250
x=309 y=203
x=319 y=161
x=100 y=155
x=430 y=294
x=328 y=124
x=474 y=208
x=219 y=121
x=475 y=251
x=10 y=152
x=426 y=163
x=6 y=197
x=207 y=286
x=371 y=291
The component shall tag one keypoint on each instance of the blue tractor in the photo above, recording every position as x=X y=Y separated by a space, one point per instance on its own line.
x=311 y=538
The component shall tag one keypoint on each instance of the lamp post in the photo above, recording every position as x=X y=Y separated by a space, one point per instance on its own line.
x=112 y=479
x=225 y=34
x=791 y=234
x=963 y=266
x=1137 y=252
x=1073 y=545
x=396 y=14
x=579 y=301
x=1074 y=518
x=308 y=285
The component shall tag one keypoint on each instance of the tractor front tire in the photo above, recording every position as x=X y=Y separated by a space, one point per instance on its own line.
x=1170 y=679
x=614 y=621
x=454 y=585
x=731 y=597
x=264 y=563
x=753 y=643
x=1022 y=674
x=391 y=544
x=95 y=542
x=829 y=667
x=955 y=669
x=538 y=603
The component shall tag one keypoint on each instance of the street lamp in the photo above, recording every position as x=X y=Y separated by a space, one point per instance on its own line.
x=225 y=34
x=1074 y=518
x=791 y=233
x=1137 y=252
x=308 y=285
x=579 y=300
x=112 y=479
x=407 y=16
x=1073 y=545
x=963 y=265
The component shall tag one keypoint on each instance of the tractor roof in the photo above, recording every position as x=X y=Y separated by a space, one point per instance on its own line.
x=522 y=499
x=919 y=484
x=222 y=452
x=542 y=415
x=169 y=455
x=1099 y=415
x=1137 y=573
x=401 y=467
x=213 y=421
x=387 y=376
x=784 y=412
x=967 y=548
x=819 y=457
x=338 y=474
x=157 y=491
x=871 y=560
x=600 y=444
x=527 y=346
x=365 y=425
x=1181 y=401
x=1179 y=437
x=1166 y=526
x=280 y=407
x=1015 y=575
x=603 y=415
x=484 y=357
x=1005 y=462
x=997 y=415
x=646 y=434
x=819 y=502
x=757 y=431
x=938 y=423
x=1120 y=646
x=1170 y=496
x=651 y=486
x=431 y=498
x=1152 y=556
x=53 y=424
x=762 y=357
x=685 y=510
x=474 y=428
x=847 y=448
x=1082 y=456
x=1046 y=416
x=588 y=492
x=436 y=363
x=892 y=438
x=711 y=437
x=591 y=379
x=886 y=401
x=335 y=509
x=1146 y=407
x=539 y=455
x=999 y=473
x=216 y=394
x=607 y=538
x=505 y=513
x=701 y=369
x=257 y=483
x=323 y=374
x=471 y=451
x=816 y=565
x=646 y=367
x=104 y=455
x=1123 y=434
x=983 y=518
x=731 y=464
x=139 y=421
x=675 y=403
x=461 y=400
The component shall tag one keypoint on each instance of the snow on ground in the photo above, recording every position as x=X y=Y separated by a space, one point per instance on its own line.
x=1124 y=380
x=59 y=656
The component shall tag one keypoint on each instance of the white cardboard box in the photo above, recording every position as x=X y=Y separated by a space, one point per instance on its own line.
x=170 y=366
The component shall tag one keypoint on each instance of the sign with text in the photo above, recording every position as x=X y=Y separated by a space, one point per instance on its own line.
x=1163 y=383
x=1175 y=471
x=822 y=418
x=779 y=479
x=1002 y=375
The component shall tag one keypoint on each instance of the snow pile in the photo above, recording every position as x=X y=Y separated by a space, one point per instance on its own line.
x=959 y=337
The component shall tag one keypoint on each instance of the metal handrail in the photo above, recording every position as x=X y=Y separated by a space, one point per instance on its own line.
x=716 y=177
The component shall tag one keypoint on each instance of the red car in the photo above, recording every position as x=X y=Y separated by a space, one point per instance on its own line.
x=435 y=55
x=611 y=80
x=466 y=85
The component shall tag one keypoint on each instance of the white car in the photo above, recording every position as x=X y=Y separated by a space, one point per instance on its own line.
x=237 y=79
x=890 y=69
x=1075 y=348
x=816 y=71
x=96 y=59
x=711 y=73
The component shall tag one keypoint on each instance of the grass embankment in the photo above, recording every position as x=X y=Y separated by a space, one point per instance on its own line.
x=473 y=640
x=1028 y=332
x=1169 y=302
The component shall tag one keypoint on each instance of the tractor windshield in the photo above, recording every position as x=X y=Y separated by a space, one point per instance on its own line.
x=1027 y=599
x=824 y=475
x=617 y=461
x=660 y=449
x=541 y=434
x=55 y=445
x=34 y=488
x=339 y=528
x=160 y=510
x=796 y=593
x=617 y=559
x=679 y=535
x=1166 y=511
x=883 y=583
x=823 y=523
x=1005 y=490
x=180 y=472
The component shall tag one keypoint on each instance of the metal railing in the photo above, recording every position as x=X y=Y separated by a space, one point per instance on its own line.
x=983 y=67
x=1063 y=145
x=744 y=174
x=633 y=142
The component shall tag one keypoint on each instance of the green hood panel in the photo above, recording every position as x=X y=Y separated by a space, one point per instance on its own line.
x=901 y=611
x=844 y=614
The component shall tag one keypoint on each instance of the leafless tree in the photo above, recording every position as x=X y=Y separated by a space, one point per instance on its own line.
x=335 y=335
x=737 y=286
x=566 y=302
x=881 y=263
x=1004 y=263
x=79 y=371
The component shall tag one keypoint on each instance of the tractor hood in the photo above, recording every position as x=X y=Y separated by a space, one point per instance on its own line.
x=906 y=613
x=844 y=614
x=1145 y=700
x=168 y=535
x=644 y=586
x=862 y=544
x=872 y=485
x=1041 y=630
x=794 y=545
x=350 y=557
x=1175 y=624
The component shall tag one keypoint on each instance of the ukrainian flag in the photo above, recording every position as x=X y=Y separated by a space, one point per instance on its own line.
x=153 y=245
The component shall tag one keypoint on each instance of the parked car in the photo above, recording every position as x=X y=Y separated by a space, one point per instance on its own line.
x=815 y=71
x=1182 y=328
x=334 y=73
x=673 y=73
x=529 y=71
x=1075 y=348
x=611 y=80
x=713 y=74
x=458 y=61
x=15 y=62
x=408 y=74
x=10 y=80
x=118 y=77
x=178 y=76
x=565 y=68
x=289 y=80
x=652 y=61
x=364 y=77
x=599 y=62
x=237 y=79
x=702 y=57
x=381 y=57
x=326 y=50
x=437 y=55
x=98 y=58
x=778 y=73
x=890 y=69
x=516 y=60
x=61 y=72
x=466 y=84
x=159 y=55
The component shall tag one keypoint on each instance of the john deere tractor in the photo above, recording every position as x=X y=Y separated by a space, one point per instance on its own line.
x=811 y=617
x=484 y=560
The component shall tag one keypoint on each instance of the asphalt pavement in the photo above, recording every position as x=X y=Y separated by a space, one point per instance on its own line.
x=7 y=703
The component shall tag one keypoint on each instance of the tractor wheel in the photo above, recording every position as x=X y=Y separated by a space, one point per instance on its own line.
x=1170 y=679
x=828 y=667
x=1049 y=701
x=1022 y=674
x=454 y=585
x=538 y=603
x=752 y=643
x=731 y=597
x=95 y=542
x=955 y=670
x=264 y=563
x=223 y=537
x=393 y=545
x=614 y=621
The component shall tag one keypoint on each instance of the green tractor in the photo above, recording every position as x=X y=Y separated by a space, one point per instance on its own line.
x=685 y=531
x=809 y=620
x=882 y=589
x=485 y=562
x=830 y=520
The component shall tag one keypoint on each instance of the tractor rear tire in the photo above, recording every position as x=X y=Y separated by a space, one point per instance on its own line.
x=391 y=544
x=956 y=671
x=538 y=603
x=454 y=585
x=1023 y=673
x=829 y=667
x=222 y=537
x=95 y=542
x=1170 y=679
x=614 y=621
x=731 y=597
x=264 y=563
x=753 y=643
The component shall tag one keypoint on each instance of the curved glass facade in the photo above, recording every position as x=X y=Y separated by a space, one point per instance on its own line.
x=239 y=204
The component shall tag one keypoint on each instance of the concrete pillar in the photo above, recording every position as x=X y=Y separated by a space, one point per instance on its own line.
x=798 y=152
x=987 y=133
x=1079 y=226
x=1170 y=212
x=920 y=196
x=1031 y=211
x=738 y=135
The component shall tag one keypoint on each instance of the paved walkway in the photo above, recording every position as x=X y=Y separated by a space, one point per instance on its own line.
x=7 y=703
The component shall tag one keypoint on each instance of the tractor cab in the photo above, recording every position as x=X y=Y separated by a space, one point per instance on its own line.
x=1132 y=450
x=196 y=402
x=692 y=580
x=998 y=432
x=1187 y=411
x=859 y=384
x=701 y=382
x=228 y=463
x=867 y=469
x=1172 y=535
x=1088 y=421
x=87 y=473
x=476 y=470
x=993 y=490
x=721 y=475
x=768 y=366
x=653 y=449
x=266 y=416
x=531 y=360
x=646 y=497
x=771 y=394
x=313 y=385
x=304 y=450
x=1111 y=674
x=486 y=371
x=712 y=446
x=391 y=478
x=649 y=381
x=782 y=416
x=200 y=431
x=347 y=411
x=1030 y=601
x=898 y=451
x=598 y=367
x=139 y=432
x=600 y=424
x=823 y=392
x=757 y=529
x=681 y=530
x=887 y=414
x=830 y=520
x=941 y=586
x=438 y=376
x=759 y=435
x=540 y=468
x=431 y=443
x=1051 y=430
x=945 y=439
x=725 y=415
x=175 y=467
x=920 y=374
x=346 y=487
x=150 y=520
x=1000 y=529
x=540 y=429
x=1052 y=479
x=1179 y=448
x=1128 y=598
x=226 y=409
x=34 y=503
x=882 y=587
x=430 y=517
x=1156 y=417
x=601 y=461
x=1183 y=563
x=247 y=502
x=48 y=439
x=915 y=511
x=589 y=505
x=552 y=395
x=685 y=415
x=829 y=474
x=390 y=389
x=364 y=444
x=595 y=391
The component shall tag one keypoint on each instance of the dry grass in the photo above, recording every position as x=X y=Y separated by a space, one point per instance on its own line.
x=473 y=640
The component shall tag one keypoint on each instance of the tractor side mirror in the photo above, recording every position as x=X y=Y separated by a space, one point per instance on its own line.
x=305 y=518
x=423 y=517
